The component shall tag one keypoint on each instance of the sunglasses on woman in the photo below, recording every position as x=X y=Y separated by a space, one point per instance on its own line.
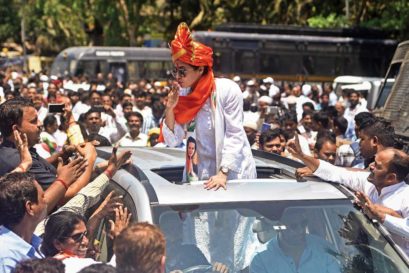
x=179 y=71
x=78 y=236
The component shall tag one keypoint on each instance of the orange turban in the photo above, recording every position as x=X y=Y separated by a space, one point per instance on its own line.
x=188 y=51
x=194 y=53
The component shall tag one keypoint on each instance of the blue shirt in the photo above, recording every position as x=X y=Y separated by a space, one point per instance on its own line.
x=316 y=258
x=14 y=249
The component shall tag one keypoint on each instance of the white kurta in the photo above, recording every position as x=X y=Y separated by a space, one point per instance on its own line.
x=221 y=139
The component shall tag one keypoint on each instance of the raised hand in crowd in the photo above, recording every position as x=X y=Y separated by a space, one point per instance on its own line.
x=374 y=211
x=87 y=150
x=121 y=221
x=105 y=209
x=294 y=147
x=115 y=162
x=22 y=146
x=71 y=171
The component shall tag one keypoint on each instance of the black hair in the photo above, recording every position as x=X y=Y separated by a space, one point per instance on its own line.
x=103 y=141
x=383 y=130
x=92 y=110
x=98 y=268
x=363 y=117
x=49 y=120
x=46 y=265
x=341 y=123
x=323 y=137
x=322 y=118
x=269 y=135
x=135 y=114
x=126 y=104
x=94 y=92
x=309 y=105
x=58 y=227
x=350 y=91
x=15 y=190
x=292 y=116
x=139 y=93
x=11 y=113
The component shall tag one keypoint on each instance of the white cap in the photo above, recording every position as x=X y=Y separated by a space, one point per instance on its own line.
x=236 y=78
x=250 y=83
x=265 y=99
x=306 y=89
x=263 y=87
x=250 y=124
x=268 y=80
x=54 y=77
x=44 y=78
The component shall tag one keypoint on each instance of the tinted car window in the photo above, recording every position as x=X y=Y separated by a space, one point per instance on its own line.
x=245 y=236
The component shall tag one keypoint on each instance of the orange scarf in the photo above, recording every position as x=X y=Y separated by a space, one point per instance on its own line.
x=188 y=106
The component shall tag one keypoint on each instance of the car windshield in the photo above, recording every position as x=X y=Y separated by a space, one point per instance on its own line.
x=288 y=236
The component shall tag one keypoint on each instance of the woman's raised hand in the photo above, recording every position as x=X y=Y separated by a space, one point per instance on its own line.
x=173 y=96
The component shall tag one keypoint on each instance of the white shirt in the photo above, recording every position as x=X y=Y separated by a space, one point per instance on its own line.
x=221 y=139
x=395 y=197
x=42 y=113
x=127 y=141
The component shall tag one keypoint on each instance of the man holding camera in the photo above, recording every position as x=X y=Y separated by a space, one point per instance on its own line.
x=59 y=180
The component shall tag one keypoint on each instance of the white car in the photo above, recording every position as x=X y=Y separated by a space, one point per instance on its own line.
x=237 y=226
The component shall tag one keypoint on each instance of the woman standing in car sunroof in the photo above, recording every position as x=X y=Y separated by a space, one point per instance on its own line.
x=212 y=110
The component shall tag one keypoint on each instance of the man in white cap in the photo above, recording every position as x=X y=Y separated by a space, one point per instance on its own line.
x=251 y=94
x=303 y=97
x=272 y=89
x=250 y=127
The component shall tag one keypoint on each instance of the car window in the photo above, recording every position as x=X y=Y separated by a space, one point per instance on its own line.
x=260 y=237
x=102 y=239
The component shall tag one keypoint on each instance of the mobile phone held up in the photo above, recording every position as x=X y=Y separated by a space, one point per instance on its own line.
x=55 y=108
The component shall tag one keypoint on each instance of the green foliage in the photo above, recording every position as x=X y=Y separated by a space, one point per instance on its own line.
x=330 y=21
x=52 y=25
x=9 y=21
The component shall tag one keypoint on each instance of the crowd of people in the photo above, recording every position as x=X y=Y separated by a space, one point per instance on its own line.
x=50 y=127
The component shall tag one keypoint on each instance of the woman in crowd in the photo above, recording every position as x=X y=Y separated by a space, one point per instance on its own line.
x=212 y=108
x=66 y=237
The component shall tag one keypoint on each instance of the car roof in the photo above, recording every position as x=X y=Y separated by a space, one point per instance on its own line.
x=152 y=165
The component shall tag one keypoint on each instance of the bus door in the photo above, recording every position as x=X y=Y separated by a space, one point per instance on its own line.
x=119 y=70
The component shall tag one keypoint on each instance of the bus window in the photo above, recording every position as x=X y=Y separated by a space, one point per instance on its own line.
x=245 y=61
x=118 y=70
x=133 y=70
x=61 y=67
x=91 y=68
x=269 y=63
x=222 y=61
x=153 y=69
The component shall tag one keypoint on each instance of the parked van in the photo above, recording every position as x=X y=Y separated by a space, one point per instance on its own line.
x=368 y=87
x=125 y=63
x=393 y=101
x=390 y=78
